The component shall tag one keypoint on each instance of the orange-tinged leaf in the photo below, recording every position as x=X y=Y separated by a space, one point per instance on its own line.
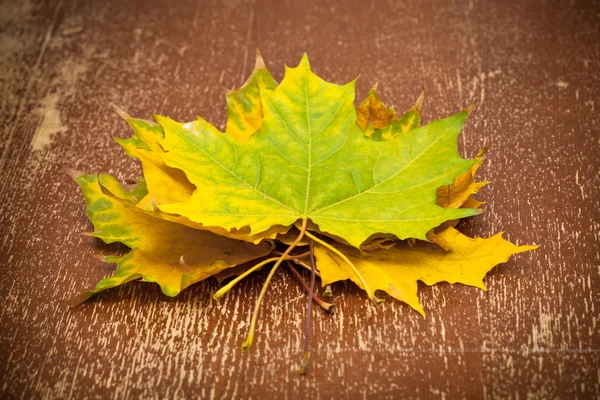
x=373 y=112
x=463 y=187
x=460 y=194
x=472 y=202
x=381 y=123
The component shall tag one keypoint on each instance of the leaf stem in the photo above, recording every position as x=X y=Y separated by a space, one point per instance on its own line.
x=370 y=293
x=250 y=337
x=294 y=257
x=304 y=365
x=323 y=304
x=306 y=266
x=221 y=292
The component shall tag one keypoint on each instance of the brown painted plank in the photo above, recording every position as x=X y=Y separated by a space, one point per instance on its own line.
x=534 y=67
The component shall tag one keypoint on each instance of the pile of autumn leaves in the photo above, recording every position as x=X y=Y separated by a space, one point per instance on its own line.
x=377 y=194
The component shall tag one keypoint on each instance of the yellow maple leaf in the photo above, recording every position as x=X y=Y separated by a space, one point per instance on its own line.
x=397 y=270
x=170 y=254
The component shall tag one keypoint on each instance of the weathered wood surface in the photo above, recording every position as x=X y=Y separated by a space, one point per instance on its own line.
x=535 y=67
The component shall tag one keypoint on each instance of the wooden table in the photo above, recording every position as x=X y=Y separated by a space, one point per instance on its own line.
x=535 y=67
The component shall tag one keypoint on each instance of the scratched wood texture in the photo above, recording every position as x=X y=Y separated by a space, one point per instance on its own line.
x=535 y=67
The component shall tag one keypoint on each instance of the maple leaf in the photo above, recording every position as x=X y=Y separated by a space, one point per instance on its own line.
x=297 y=162
x=310 y=160
x=397 y=269
x=172 y=255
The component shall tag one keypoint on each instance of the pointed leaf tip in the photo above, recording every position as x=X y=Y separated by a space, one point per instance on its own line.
x=121 y=112
x=374 y=88
x=260 y=62
x=419 y=103
x=77 y=299
x=99 y=257
x=227 y=90
x=304 y=60
x=472 y=106
x=482 y=152
x=163 y=120
x=73 y=173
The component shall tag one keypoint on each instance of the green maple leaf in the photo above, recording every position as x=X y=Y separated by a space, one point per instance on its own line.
x=311 y=161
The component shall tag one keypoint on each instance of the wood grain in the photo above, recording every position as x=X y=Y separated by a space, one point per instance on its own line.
x=534 y=67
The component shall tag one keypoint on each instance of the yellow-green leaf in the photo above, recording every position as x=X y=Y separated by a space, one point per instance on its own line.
x=172 y=255
x=310 y=160
x=397 y=270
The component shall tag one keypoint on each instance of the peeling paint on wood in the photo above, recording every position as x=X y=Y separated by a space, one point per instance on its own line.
x=533 y=334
